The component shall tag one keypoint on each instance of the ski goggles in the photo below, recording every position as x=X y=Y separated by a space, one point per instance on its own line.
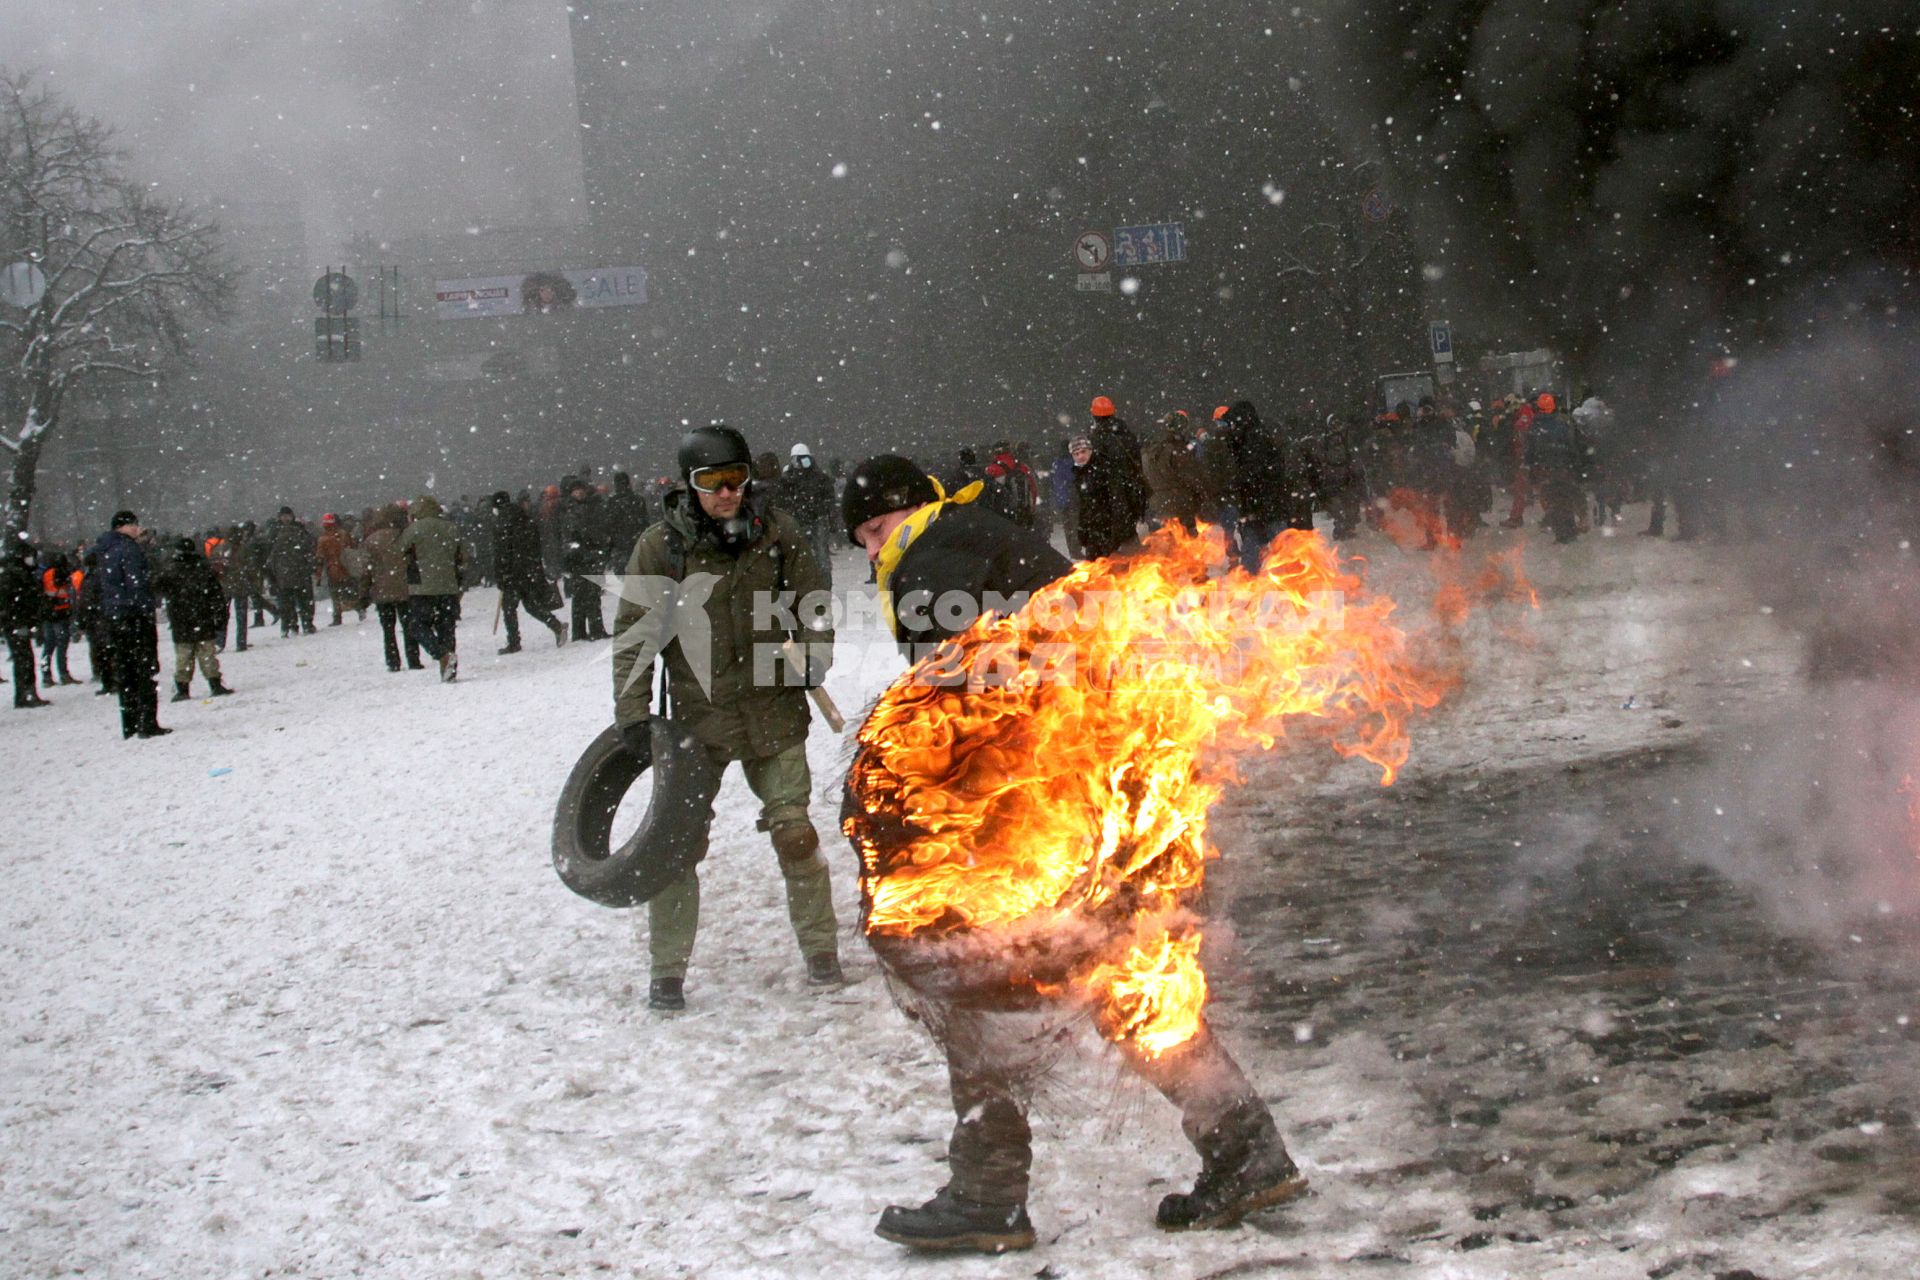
x=733 y=475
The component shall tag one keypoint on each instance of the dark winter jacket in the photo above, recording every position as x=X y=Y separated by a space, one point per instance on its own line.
x=752 y=705
x=23 y=600
x=126 y=577
x=290 y=554
x=196 y=602
x=969 y=550
x=585 y=537
x=1103 y=500
x=806 y=494
x=626 y=521
x=517 y=565
x=1270 y=483
x=1114 y=441
x=1555 y=444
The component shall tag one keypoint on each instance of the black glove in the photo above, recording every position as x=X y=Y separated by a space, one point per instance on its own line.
x=638 y=736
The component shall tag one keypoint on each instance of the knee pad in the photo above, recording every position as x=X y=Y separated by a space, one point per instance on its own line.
x=795 y=843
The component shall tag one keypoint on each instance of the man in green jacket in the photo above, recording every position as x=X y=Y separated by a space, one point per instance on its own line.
x=434 y=553
x=735 y=682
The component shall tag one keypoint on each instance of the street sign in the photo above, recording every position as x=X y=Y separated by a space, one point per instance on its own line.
x=336 y=338
x=1154 y=242
x=335 y=293
x=1376 y=205
x=1440 y=338
x=1094 y=282
x=1092 y=250
x=22 y=284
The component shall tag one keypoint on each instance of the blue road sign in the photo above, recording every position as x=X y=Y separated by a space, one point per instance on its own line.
x=1440 y=337
x=1155 y=242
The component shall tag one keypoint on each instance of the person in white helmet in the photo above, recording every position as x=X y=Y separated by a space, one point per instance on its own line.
x=806 y=494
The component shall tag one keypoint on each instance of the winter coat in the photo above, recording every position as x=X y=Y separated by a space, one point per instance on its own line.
x=433 y=551
x=585 y=538
x=626 y=521
x=753 y=705
x=1010 y=489
x=965 y=549
x=289 y=558
x=1214 y=453
x=86 y=601
x=1174 y=476
x=517 y=565
x=1555 y=444
x=1103 y=496
x=386 y=562
x=196 y=602
x=23 y=600
x=331 y=547
x=126 y=577
x=806 y=494
x=61 y=590
x=1265 y=488
x=1114 y=440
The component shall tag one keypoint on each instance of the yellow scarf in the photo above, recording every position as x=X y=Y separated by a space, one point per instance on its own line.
x=904 y=536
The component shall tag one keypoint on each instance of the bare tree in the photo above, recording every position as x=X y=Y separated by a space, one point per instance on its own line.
x=125 y=271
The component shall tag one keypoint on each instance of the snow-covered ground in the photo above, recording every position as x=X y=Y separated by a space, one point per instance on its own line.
x=295 y=991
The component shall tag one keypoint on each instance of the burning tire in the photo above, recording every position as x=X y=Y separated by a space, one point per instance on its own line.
x=671 y=839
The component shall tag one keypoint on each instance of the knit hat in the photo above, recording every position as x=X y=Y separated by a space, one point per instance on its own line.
x=884 y=483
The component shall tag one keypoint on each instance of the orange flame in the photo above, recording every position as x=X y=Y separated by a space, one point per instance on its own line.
x=1051 y=773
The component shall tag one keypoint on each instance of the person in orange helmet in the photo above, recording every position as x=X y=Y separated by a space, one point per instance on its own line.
x=1119 y=450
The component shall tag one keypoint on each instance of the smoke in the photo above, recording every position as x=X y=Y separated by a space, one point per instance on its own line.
x=1707 y=204
x=382 y=115
x=1645 y=182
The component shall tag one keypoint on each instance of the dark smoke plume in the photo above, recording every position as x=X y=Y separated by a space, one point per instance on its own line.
x=1710 y=205
x=1649 y=181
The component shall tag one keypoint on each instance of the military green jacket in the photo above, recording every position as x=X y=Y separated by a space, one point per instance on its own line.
x=753 y=704
x=432 y=544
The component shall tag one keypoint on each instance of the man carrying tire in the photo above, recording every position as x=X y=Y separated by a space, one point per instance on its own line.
x=738 y=695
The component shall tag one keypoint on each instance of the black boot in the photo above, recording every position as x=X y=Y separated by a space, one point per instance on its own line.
x=823 y=970
x=1239 y=1173
x=948 y=1222
x=180 y=693
x=512 y=646
x=667 y=993
x=220 y=690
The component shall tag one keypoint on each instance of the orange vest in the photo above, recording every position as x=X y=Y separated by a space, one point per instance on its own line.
x=61 y=593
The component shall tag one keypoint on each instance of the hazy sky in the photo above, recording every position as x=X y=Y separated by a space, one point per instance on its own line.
x=386 y=115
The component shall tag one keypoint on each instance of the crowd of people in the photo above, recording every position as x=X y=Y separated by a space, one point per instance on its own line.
x=1447 y=465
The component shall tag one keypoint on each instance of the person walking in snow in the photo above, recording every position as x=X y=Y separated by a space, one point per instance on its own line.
x=746 y=702
x=340 y=567
x=128 y=603
x=435 y=556
x=806 y=494
x=60 y=582
x=290 y=567
x=196 y=606
x=387 y=586
x=519 y=571
x=23 y=609
x=928 y=547
x=585 y=544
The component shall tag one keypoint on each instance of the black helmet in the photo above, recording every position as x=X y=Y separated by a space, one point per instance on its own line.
x=185 y=546
x=716 y=446
x=886 y=482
